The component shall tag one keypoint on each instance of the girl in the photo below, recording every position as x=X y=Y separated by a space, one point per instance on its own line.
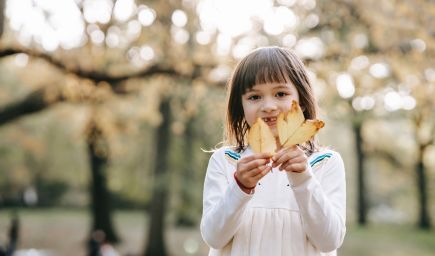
x=294 y=206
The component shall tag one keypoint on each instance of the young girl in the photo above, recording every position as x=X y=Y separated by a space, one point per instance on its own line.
x=290 y=203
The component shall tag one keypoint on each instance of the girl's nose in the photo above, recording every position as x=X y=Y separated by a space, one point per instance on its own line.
x=269 y=105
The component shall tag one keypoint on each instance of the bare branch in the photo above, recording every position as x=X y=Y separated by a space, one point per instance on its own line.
x=115 y=81
x=382 y=153
x=34 y=102
x=95 y=76
x=45 y=97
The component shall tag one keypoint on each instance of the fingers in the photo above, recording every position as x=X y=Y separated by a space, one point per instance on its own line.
x=263 y=171
x=255 y=175
x=293 y=167
x=252 y=162
x=256 y=163
x=252 y=168
x=250 y=179
x=290 y=160
x=285 y=155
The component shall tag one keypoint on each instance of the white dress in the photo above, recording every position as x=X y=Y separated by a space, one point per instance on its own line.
x=289 y=213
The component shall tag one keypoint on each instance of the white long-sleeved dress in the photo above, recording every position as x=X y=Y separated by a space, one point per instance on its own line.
x=289 y=213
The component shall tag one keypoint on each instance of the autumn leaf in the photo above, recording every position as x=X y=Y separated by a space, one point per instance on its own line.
x=261 y=138
x=304 y=133
x=292 y=129
x=287 y=124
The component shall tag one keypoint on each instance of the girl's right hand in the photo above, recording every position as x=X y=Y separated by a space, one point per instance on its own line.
x=251 y=169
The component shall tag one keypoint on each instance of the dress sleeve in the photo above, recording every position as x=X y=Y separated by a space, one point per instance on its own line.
x=322 y=203
x=223 y=204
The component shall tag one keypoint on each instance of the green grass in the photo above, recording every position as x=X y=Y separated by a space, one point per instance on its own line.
x=64 y=232
x=379 y=240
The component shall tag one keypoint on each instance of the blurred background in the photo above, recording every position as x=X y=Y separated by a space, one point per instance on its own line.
x=107 y=108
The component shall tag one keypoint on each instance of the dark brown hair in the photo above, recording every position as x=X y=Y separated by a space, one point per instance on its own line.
x=266 y=65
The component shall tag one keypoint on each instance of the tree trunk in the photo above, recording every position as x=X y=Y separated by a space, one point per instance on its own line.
x=188 y=179
x=2 y=16
x=101 y=208
x=424 y=217
x=361 y=184
x=156 y=242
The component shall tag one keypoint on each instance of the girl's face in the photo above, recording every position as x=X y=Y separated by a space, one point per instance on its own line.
x=267 y=101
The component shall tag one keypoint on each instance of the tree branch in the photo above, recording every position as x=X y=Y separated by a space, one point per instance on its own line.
x=95 y=76
x=115 y=81
x=45 y=97
x=387 y=156
x=34 y=102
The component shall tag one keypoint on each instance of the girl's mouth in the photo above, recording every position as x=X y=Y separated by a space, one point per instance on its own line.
x=270 y=121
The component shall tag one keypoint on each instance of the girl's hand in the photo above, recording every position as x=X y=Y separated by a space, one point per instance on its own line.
x=251 y=169
x=291 y=159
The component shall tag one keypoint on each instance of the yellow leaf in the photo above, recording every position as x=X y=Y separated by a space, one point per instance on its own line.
x=287 y=124
x=261 y=138
x=292 y=129
x=304 y=133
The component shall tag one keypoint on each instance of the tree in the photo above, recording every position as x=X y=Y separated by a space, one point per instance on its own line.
x=101 y=208
x=101 y=74
x=2 y=17
x=383 y=65
x=171 y=39
x=156 y=242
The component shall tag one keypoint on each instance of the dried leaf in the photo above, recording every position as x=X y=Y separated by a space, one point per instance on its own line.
x=292 y=129
x=304 y=133
x=261 y=138
x=287 y=124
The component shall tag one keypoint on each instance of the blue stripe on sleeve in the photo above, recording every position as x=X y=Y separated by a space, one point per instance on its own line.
x=320 y=158
x=232 y=154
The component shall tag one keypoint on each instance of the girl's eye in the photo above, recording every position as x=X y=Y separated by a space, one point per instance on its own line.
x=254 y=97
x=281 y=94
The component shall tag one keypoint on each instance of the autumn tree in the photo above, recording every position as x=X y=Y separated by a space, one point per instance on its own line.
x=125 y=46
x=380 y=67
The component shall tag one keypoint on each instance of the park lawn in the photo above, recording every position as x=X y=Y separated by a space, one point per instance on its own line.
x=391 y=240
x=64 y=232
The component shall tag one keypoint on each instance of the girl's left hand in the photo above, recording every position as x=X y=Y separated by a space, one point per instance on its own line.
x=291 y=159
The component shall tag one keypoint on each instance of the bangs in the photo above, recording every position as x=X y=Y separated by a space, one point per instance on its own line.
x=263 y=67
